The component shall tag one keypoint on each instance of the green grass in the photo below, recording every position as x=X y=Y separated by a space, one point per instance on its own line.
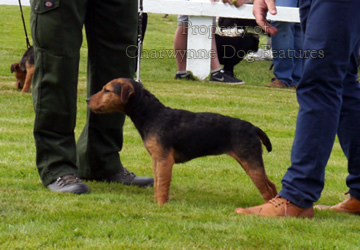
x=204 y=192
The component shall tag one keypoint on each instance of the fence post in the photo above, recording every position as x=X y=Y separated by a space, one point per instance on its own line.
x=199 y=46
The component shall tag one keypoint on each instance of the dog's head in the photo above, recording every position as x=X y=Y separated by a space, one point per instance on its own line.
x=20 y=75
x=113 y=97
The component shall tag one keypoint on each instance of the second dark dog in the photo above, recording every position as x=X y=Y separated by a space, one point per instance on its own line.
x=24 y=70
x=176 y=136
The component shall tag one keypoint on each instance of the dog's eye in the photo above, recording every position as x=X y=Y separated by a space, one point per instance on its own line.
x=106 y=91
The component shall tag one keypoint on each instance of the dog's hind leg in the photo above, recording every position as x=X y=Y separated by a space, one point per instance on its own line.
x=254 y=167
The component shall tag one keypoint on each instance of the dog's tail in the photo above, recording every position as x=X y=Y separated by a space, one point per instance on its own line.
x=264 y=138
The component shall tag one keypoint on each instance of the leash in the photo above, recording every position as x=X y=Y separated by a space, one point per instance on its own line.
x=23 y=20
x=140 y=12
x=271 y=67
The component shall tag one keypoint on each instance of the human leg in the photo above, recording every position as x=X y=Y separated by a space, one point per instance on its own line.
x=297 y=55
x=111 y=29
x=349 y=124
x=283 y=47
x=320 y=98
x=217 y=73
x=101 y=140
x=180 y=47
x=349 y=133
x=214 y=63
x=57 y=37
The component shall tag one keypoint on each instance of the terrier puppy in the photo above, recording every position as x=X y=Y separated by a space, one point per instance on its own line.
x=176 y=136
x=24 y=70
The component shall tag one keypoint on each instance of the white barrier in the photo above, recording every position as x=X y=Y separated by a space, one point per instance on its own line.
x=15 y=2
x=201 y=13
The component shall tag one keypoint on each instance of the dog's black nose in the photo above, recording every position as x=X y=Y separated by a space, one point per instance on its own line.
x=88 y=99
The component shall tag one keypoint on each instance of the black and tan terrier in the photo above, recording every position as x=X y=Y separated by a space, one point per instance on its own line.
x=176 y=136
x=24 y=70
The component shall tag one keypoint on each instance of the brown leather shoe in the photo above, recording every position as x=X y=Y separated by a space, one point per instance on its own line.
x=278 y=207
x=349 y=205
x=277 y=84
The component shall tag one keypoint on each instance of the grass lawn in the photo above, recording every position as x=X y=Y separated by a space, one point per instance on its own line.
x=204 y=192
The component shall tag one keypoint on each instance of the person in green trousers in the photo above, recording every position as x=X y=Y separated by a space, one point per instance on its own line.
x=57 y=32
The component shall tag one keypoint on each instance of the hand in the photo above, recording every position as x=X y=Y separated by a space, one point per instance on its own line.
x=261 y=7
x=237 y=3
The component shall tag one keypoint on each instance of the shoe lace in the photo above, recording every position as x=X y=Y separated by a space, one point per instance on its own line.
x=67 y=180
x=127 y=174
x=278 y=201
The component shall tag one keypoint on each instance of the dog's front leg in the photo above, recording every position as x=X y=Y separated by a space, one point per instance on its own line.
x=28 y=79
x=162 y=178
x=154 y=165
x=163 y=160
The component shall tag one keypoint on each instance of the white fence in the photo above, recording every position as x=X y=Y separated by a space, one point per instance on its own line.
x=201 y=13
x=15 y=2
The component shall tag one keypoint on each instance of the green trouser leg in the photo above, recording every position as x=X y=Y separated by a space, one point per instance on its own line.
x=111 y=30
x=57 y=35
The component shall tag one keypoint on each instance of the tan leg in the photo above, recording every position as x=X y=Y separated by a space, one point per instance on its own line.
x=163 y=160
x=257 y=174
x=163 y=180
x=263 y=184
x=28 y=79
x=154 y=166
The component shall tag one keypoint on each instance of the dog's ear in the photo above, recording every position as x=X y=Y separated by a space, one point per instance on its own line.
x=14 y=67
x=127 y=90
